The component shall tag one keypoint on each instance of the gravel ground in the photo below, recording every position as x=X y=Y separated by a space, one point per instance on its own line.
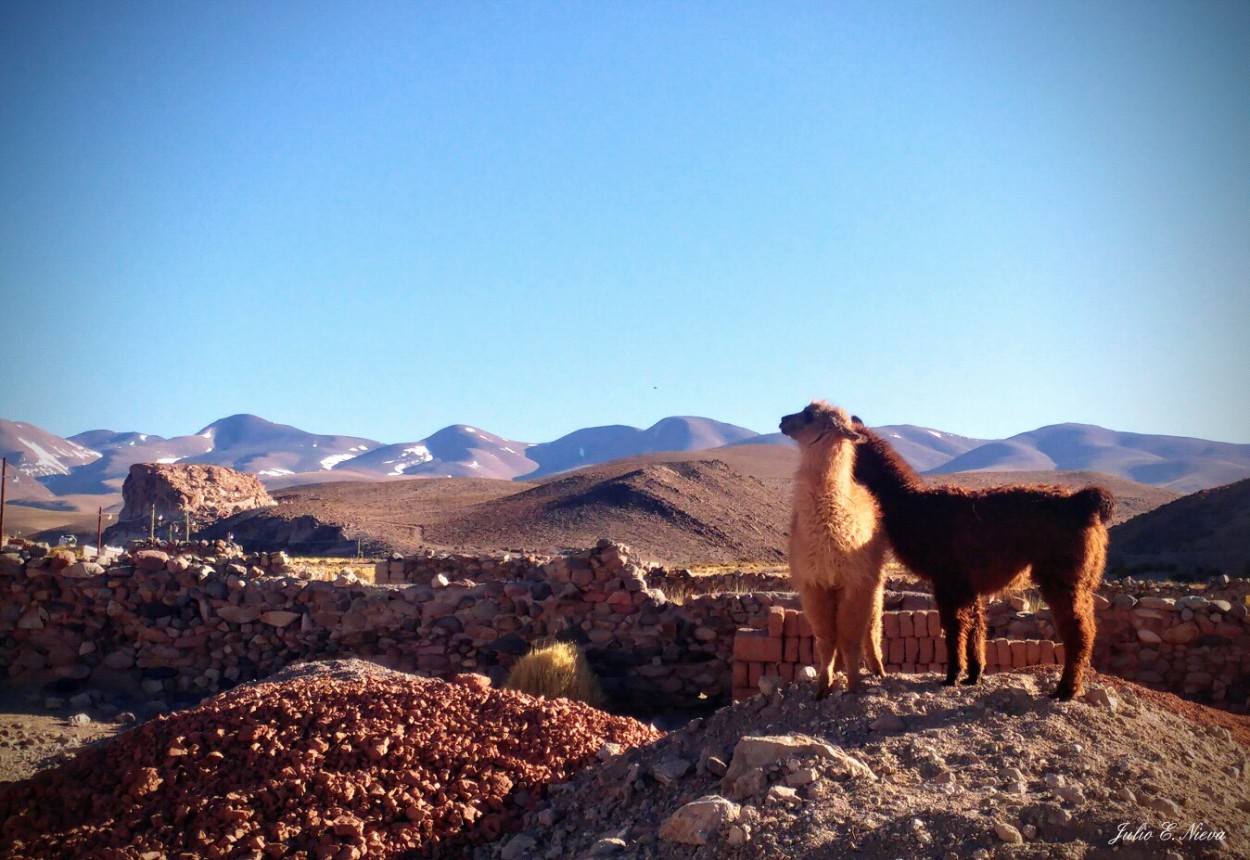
x=996 y=770
x=346 y=759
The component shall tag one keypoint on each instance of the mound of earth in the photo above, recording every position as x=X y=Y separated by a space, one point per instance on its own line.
x=697 y=509
x=328 y=519
x=1198 y=535
x=910 y=768
x=342 y=759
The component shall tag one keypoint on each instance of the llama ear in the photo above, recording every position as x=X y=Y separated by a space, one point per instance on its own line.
x=856 y=421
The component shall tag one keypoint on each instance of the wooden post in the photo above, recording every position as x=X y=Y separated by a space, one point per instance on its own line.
x=152 y=526
x=4 y=486
x=99 y=533
x=186 y=526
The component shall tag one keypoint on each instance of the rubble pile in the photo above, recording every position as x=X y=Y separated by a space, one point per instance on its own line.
x=342 y=760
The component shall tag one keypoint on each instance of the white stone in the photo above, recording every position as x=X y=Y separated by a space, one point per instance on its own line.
x=765 y=751
x=1008 y=833
x=699 y=821
x=783 y=794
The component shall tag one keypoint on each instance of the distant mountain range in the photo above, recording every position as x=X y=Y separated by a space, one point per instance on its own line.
x=97 y=461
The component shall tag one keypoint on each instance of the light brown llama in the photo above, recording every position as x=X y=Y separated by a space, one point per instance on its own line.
x=837 y=548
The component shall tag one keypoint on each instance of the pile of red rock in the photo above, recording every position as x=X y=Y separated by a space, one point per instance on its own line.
x=336 y=760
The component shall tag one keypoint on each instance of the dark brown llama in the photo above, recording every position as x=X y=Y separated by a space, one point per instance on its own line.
x=973 y=543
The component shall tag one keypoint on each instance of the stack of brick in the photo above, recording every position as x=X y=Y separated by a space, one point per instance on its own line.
x=911 y=641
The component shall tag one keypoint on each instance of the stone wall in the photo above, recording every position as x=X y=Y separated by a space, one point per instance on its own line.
x=198 y=625
x=201 y=618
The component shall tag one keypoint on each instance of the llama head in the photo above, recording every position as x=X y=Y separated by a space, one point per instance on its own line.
x=820 y=420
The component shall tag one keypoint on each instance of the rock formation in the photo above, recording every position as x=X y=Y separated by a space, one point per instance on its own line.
x=182 y=495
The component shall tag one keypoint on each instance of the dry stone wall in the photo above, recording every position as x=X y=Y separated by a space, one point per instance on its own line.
x=201 y=618
x=200 y=624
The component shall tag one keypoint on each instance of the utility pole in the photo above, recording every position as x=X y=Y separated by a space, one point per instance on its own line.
x=4 y=485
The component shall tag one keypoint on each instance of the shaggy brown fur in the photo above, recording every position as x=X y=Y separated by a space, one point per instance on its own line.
x=974 y=543
x=837 y=548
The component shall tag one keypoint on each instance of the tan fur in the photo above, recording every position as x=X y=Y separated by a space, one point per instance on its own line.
x=837 y=547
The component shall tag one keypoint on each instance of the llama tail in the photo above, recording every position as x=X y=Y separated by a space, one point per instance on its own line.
x=1096 y=500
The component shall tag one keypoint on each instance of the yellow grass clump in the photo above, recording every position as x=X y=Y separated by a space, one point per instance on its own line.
x=556 y=670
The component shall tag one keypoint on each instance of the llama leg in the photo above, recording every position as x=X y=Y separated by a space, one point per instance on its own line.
x=1073 y=612
x=854 y=621
x=820 y=605
x=976 y=641
x=953 y=618
x=872 y=640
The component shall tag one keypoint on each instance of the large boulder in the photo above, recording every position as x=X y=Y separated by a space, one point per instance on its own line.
x=182 y=494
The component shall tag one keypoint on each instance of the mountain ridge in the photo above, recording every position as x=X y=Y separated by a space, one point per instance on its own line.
x=96 y=461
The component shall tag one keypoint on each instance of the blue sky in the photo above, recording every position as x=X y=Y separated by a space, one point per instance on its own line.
x=538 y=217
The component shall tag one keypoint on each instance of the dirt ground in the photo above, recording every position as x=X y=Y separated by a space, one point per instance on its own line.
x=32 y=739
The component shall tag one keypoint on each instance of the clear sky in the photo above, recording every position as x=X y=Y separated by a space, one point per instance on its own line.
x=382 y=219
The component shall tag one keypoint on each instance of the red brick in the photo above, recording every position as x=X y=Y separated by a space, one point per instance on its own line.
x=1019 y=654
x=926 y=651
x=1003 y=647
x=805 y=628
x=935 y=623
x=907 y=624
x=755 y=646
x=754 y=670
x=908 y=668
x=741 y=694
x=787 y=671
x=895 y=651
x=740 y=673
x=807 y=651
x=889 y=625
x=776 y=621
x=911 y=649
x=1047 y=657
x=1034 y=652
x=790 y=649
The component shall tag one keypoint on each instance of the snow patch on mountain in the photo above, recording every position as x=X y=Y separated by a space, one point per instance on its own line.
x=333 y=460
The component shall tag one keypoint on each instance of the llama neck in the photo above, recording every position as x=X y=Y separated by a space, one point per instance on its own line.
x=879 y=468
x=828 y=470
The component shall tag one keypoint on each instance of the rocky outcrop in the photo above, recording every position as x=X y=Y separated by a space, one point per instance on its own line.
x=183 y=495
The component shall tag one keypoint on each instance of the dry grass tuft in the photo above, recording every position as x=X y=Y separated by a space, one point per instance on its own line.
x=556 y=670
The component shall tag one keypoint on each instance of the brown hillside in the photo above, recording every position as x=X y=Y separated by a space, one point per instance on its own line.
x=1199 y=534
x=680 y=511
